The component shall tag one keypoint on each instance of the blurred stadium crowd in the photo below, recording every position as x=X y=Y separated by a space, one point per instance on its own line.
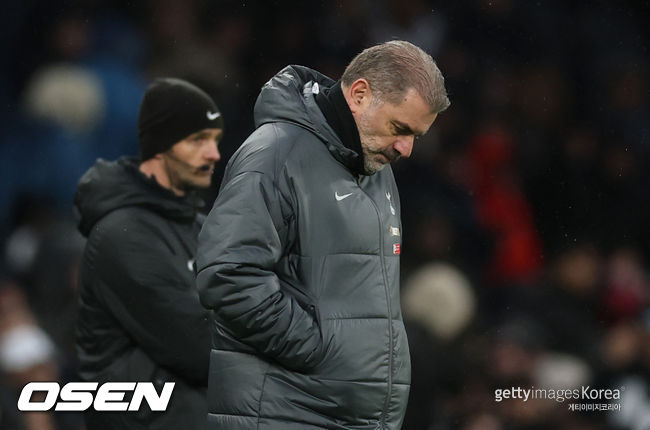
x=526 y=248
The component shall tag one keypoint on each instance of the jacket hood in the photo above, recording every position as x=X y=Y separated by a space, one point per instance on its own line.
x=111 y=185
x=289 y=97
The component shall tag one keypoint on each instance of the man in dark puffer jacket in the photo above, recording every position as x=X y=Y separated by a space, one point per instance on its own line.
x=299 y=257
x=140 y=318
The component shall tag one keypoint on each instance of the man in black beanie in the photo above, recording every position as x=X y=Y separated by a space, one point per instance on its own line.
x=140 y=319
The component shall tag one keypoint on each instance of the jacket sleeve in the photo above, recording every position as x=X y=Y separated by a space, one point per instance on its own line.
x=141 y=283
x=241 y=242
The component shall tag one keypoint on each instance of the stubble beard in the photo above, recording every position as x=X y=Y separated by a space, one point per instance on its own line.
x=371 y=150
x=371 y=166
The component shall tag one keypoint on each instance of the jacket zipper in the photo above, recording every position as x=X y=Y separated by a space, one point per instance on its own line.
x=384 y=413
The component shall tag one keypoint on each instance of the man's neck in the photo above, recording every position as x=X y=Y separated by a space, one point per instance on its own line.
x=155 y=167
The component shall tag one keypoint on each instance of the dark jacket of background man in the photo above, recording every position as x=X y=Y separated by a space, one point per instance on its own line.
x=137 y=278
x=140 y=317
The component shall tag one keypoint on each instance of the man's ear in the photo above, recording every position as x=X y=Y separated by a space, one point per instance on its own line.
x=358 y=95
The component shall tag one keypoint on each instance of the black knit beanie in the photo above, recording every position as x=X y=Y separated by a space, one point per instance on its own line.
x=171 y=110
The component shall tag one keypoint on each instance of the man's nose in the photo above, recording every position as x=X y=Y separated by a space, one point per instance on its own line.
x=404 y=145
x=212 y=152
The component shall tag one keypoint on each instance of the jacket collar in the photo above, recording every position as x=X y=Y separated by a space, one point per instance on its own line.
x=334 y=107
x=289 y=96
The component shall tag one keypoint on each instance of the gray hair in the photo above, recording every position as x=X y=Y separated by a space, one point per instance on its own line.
x=392 y=68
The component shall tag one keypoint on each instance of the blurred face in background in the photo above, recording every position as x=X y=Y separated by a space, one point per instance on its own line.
x=189 y=164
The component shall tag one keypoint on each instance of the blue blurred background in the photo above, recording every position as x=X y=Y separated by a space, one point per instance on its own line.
x=526 y=246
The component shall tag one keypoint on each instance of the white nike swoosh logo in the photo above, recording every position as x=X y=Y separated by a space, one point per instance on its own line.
x=212 y=116
x=339 y=198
